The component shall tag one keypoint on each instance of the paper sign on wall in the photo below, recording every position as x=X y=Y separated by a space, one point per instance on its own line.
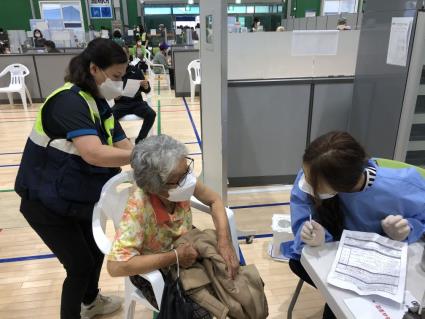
x=398 y=46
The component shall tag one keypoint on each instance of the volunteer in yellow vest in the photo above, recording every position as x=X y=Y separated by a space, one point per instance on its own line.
x=73 y=149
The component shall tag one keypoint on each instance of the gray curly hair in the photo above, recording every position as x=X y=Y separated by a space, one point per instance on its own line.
x=153 y=159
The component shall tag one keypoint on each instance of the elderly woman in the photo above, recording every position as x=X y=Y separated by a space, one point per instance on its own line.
x=158 y=212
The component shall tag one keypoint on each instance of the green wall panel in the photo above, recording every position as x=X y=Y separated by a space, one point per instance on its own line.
x=15 y=15
x=133 y=15
x=305 y=5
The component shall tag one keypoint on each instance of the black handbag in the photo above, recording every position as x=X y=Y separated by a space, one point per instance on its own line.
x=175 y=304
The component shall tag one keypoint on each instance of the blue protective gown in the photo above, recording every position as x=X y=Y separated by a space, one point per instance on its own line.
x=395 y=191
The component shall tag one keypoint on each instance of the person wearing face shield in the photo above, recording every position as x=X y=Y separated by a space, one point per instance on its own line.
x=75 y=147
x=341 y=187
x=158 y=212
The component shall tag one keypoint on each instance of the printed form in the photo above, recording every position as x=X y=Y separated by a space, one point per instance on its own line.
x=370 y=264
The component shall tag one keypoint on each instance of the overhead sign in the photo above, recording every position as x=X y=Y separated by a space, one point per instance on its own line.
x=100 y=9
x=101 y=2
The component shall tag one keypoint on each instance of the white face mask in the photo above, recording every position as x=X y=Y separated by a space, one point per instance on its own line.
x=111 y=89
x=184 y=192
x=306 y=188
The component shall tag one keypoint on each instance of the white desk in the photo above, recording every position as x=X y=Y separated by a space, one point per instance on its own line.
x=317 y=261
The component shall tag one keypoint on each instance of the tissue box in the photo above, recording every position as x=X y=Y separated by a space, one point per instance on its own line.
x=281 y=226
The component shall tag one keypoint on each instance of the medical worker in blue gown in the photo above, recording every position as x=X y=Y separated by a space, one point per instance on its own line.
x=343 y=188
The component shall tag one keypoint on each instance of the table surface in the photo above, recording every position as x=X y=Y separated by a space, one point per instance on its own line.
x=317 y=261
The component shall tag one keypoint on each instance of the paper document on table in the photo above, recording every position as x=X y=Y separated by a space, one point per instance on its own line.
x=379 y=308
x=370 y=264
x=131 y=88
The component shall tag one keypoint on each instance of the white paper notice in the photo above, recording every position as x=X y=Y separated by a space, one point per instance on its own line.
x=131 y=88
x=153 y=31
x=370 y=264
x=135 y=61
x=398 y=46
x=379 y=308
x=314 y=42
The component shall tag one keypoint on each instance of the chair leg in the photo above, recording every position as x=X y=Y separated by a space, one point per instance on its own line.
x=24 y=99
x=29 y=95
x=192 y=92
x=130 y=308
x=10 y=97
x=294 y=298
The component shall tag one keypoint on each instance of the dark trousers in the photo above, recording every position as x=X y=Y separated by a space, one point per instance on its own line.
x=298 y=269
x=139 y=108
x=171 y=74
x=71 y=240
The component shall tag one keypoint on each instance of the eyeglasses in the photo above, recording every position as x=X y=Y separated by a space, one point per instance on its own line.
x=189 y=170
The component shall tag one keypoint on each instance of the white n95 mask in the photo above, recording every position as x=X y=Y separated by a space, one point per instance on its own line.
x=306 y=188
x=111 y=89
x=184 y=192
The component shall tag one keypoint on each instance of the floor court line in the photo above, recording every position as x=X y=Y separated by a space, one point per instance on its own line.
x=193 y=124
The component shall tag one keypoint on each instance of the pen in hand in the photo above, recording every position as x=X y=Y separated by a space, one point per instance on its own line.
x=311 y=227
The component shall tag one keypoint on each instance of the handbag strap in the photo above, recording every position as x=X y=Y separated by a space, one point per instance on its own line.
x=177 y=262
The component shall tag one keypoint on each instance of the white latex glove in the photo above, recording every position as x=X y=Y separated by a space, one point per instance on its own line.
x=313 y=234
x=396 y=227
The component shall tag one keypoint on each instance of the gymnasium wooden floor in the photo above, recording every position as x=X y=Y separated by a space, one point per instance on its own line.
x=30 y=288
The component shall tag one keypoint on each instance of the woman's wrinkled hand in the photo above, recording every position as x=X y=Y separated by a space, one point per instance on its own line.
x=226 y=250
x=187 y=255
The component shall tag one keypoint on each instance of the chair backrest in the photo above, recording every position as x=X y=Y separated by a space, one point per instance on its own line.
x=17 y=73
x=114 y=196
x=111 y=205
x=195 y=65
x=148 y=55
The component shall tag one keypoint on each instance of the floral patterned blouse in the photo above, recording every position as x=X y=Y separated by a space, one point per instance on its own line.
x=147 y=228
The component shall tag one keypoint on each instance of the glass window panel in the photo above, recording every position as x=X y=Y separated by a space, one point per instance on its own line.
x=241 y=21
x=261 y=9
x=236 y=9
x=71 y=13
x=250 y=9
x=186 y=10
x=157 y=10
x=340 y=6
x=51 y=11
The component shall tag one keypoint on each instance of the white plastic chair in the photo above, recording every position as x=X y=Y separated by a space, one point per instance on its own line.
x=134 y=117
x=195 y=65
x=152 y=74
x=148 y=55
x=111 y=205
x=18 y=72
